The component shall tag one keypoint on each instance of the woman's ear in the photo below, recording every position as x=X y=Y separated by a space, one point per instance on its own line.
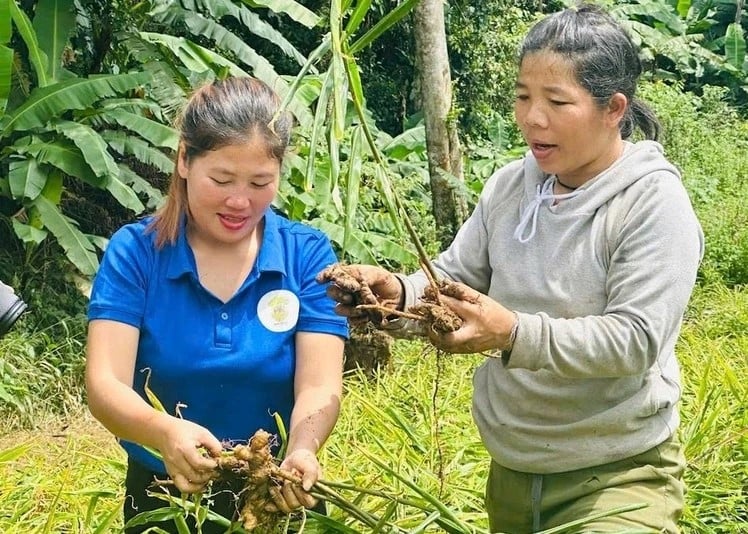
x=616 y=108
x=182 y=166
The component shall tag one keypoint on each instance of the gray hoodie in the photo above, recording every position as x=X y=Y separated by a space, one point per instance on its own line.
x=600 y=282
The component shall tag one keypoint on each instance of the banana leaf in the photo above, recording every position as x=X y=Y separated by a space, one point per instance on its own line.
x=54 y=20
x=77 y=247
x=52 y=101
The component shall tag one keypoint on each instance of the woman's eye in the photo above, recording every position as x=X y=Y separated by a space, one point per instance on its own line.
x=220 y=182
x=261 y=185
x=558 y=102
x=521 y=97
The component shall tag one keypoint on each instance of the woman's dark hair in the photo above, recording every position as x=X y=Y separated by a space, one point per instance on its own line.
x=218 y=114
x=232 y=111
x=603 y=56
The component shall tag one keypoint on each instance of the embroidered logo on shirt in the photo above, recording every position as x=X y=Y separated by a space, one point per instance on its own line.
x=278 y=310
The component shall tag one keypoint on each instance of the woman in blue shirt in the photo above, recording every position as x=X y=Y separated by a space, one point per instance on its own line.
x=213 y=300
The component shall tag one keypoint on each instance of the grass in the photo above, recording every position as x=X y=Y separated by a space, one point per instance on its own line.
x=713 y=351
x=408 y=434
x=61 y=477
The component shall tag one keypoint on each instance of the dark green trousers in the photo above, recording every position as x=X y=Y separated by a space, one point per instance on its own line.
x=522 y=503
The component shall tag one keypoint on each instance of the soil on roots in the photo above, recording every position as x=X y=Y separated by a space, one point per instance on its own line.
x=255 y=466
x=430 y=311
x=368 y=349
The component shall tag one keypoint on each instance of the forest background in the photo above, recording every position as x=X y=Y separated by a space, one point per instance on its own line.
x=89 y=91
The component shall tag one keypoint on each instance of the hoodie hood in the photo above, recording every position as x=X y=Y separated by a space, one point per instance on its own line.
x=637 y=161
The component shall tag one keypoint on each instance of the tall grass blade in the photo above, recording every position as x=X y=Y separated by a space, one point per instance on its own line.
x=389 y=20
x=448 y=517
x=9 y=455
x=331 y=525
x=152 y=398
x=317 y=132
x=283 y=434
x=428 y=521
x=51 y=516
x=109 y=519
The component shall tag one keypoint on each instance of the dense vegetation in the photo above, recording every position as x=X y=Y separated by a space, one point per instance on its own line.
x=96 y=154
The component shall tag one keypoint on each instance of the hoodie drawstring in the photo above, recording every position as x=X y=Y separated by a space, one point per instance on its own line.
x=543 y=192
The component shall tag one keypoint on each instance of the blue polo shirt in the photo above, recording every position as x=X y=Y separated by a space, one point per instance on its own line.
x=228 y=366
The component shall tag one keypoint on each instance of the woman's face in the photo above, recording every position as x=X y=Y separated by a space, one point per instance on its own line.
x=568 y=133
x=229 y=189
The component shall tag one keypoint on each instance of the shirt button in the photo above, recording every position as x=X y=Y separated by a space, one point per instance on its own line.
x=224 y=316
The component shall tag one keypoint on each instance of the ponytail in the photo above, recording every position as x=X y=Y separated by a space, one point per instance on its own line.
x=640 y=115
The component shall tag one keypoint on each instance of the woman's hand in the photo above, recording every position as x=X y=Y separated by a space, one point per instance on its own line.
x=292 y=496
x=486 y=324
x=189 y=467
x=384 y=286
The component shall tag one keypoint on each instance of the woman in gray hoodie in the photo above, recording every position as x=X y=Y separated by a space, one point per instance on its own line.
x=578 y=263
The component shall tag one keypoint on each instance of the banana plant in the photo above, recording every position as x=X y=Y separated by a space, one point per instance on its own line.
x=338 y=178
x=735 y=41
x=54 y=129
x=359 y=160
x=702 y=41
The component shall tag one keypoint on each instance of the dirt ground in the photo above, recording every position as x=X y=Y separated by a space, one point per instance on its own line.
x=80 y=425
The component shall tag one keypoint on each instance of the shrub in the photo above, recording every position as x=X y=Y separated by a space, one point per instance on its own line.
x=483 y=39
x=706 y=139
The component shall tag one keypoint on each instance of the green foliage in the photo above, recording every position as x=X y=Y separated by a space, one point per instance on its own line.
x=58 y=479
x=483 y=39
x=40 y=371
x=53 y=127
x=712 y=350
x=709 y=143
x=697 y=43
x=353 y=212
x=357 y=160
x=387 y=68
x=41 y=357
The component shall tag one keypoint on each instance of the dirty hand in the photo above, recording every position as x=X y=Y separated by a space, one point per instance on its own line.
x=292 y=496
x=386 y=290
x=486 y=324
x=189 y=451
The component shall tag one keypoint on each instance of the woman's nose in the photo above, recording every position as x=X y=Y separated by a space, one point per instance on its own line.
x=535 y=116
x=238 y=200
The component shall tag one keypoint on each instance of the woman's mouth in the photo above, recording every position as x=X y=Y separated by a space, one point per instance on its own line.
x=541 y=150
x=232 y=222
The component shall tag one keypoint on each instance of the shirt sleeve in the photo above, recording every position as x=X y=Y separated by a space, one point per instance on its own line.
x=316 y=309
x=120 y=285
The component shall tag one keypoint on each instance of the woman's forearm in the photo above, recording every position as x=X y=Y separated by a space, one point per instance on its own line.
x=313 y=418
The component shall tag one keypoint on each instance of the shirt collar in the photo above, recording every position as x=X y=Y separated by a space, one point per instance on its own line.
x=270 y=258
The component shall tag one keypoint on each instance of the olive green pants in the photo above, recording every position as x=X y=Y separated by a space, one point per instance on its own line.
x=522 y=503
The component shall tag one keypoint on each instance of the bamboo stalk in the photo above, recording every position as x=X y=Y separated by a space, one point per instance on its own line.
x=422 y=256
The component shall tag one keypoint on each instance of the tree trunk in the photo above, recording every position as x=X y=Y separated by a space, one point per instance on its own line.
x=442 y=143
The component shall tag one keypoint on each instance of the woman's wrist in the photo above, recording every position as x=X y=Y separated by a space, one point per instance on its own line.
x=401 y=299
x=512 y=335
